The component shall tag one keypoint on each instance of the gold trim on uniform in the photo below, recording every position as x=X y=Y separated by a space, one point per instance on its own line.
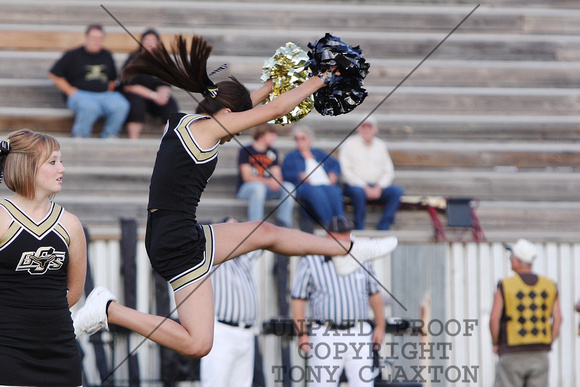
x=63 y=233
x=39 y=230
x=529 y=309
x=21 y=221
x=12 y=233
x=201 y=270
x=199 y=155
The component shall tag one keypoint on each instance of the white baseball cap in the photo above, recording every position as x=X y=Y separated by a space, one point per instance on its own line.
x=524 y=250
x=371 y=120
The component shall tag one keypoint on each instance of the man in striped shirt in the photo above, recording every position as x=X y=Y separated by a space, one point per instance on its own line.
x=340 y=335
x=231 y=359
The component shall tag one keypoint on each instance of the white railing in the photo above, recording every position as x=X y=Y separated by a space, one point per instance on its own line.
x=474 y=270
x=468 y=274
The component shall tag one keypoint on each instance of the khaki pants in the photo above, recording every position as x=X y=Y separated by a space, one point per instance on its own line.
x=522 y=369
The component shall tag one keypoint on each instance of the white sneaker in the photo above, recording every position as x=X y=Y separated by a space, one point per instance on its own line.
x=92 y=317
x=363 y=249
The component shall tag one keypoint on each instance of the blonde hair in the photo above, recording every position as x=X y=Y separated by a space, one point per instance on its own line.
x=28 y=151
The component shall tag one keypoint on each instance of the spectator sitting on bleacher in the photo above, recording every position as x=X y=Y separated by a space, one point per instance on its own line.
x=260 y=177
x=368 y=173
x=317 y=185
x=87 y=76
x=146 y=93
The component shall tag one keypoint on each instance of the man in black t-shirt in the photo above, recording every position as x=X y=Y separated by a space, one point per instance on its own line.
x=260 y=177
x=87 y=76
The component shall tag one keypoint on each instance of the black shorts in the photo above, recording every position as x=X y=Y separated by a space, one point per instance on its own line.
x=180 y=249
x=140 y=106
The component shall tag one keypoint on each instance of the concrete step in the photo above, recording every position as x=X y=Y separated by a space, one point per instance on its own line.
x=555 y=220
x=266 y=15
x=446 y=155
x=126 y=157
x=527 y=186
x=488 y=171
x=384 y=72
x=485 y=185
x=516 y=113
x=256 y=42
x=420 y=127
x=405 y=100
x=470 y=127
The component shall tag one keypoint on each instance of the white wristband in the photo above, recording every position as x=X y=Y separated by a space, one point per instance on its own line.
x=153 y=95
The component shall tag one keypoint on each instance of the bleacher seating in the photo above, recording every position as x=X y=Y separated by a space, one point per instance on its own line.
x=492 y=114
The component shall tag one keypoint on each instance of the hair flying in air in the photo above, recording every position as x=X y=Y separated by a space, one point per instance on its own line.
x=187 y=70
x=183 y=69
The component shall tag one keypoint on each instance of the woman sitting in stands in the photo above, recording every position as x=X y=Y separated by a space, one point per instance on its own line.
x=146 y=93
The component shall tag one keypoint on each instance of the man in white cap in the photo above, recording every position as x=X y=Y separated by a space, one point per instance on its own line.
x=525 y=320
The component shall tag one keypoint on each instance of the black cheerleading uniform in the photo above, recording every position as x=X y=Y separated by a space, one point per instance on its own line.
x=180 y=249
x=37 y=340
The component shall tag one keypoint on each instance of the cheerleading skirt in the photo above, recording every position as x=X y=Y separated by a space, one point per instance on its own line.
x=38 y=347
x=180 y=249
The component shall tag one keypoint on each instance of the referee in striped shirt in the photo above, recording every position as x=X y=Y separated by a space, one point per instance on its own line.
x=340 y=336
x=231 y=359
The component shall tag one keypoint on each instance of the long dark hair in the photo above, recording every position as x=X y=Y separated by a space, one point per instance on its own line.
x=188 y=71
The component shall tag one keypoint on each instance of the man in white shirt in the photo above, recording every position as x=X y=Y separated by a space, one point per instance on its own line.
x=368 y=173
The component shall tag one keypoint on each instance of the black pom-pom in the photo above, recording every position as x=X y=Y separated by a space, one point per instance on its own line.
x=345 y=90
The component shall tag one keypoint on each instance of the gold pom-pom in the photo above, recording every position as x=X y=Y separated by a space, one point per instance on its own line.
x=287 y=70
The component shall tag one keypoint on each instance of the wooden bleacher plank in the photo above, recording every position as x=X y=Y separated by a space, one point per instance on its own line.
x=60 y=41
x=454 y=101
x=385 y=71
x=262 y=41
x=493 y=15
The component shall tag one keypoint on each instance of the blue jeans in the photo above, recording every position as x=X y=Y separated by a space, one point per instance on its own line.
x=391 y=198
x=322 y=201
x=257 y=193
x=89 y=106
